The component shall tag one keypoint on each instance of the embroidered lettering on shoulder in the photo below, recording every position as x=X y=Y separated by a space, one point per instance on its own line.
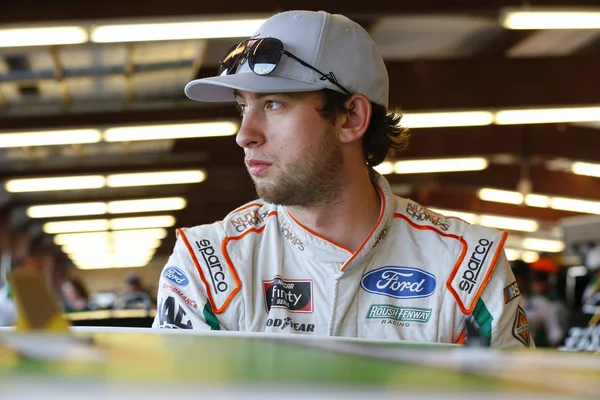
x=421 y=214
x=473 y=271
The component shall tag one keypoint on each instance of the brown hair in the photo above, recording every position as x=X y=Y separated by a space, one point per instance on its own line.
x=384 y=138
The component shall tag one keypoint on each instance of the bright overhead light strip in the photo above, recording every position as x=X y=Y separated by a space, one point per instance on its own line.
x=90 y=225
x=440 y=165
x=542 y=201
x=55 y=183
x=112 y=207
x=97 y=181
x=146 y=205
x=447 y=119
x=550 y=19
x=50 y=138
x=48 y=36
x=588 y=169
x=547 y=115
x=155 y=178
x=177 y=131
x=174 y=31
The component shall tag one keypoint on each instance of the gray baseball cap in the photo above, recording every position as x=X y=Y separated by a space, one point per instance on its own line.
x=332 y=43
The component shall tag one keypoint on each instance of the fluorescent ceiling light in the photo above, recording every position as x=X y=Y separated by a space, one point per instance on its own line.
x=544 y=245
x=146 y=205
x=500 y=196
x=139 y=234
x=54 y=183
x=537 y=200
x=385 y=168
x=175 y=31
x=512 y=254
x=527 y=256
x=451 y=118
x=42 y=36
x=547 y=115
x=75 y=226
x=582 y=168
x=158 y=221
x=440 y=165
x=49 y=138
x=155 y=178
x=530 y=256
x=71 y=238
x=63 y=210
x=97 y=181
x=178 y=131
x=515 y=224
x=550 y=19
x=108 y=246
x=543 y=201
x=575 y=205
x=467 y=217
x=113 y=207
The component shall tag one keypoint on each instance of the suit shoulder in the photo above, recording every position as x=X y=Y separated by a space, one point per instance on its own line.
x=250 y=216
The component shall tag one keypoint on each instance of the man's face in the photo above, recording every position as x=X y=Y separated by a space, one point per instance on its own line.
x=292 y=152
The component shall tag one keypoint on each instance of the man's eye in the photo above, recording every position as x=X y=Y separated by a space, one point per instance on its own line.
x=242 y=108
x=273 y=105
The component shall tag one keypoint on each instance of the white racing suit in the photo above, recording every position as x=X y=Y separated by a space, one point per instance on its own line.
x=418 y=276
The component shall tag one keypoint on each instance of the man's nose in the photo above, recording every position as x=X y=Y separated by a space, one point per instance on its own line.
x=250 y=134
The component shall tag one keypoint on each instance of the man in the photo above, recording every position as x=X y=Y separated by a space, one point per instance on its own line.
x=329 y=250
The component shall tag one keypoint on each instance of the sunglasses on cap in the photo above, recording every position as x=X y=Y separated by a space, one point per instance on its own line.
x=263 y=56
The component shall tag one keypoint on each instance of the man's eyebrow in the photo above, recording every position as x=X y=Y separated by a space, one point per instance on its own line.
x=237 y=93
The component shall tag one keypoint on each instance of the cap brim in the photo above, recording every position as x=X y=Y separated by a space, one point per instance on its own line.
x=220 y=88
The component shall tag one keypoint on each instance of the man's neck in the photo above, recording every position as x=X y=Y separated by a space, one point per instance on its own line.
x=348 y=219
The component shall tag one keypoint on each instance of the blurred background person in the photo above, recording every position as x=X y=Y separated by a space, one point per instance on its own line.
x=135 y=295
x=75 y=296
x=544 y=317
x=592 y=263
x=8 y=311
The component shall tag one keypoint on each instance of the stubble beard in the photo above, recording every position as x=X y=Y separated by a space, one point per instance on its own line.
x=314 y=180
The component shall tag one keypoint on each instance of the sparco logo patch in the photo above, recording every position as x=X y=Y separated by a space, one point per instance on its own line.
x=399 y=282
x=402 y=314
x=176 y=276
x=477 y=259
x=292 y=294
x=215 y=267
x=288 y=323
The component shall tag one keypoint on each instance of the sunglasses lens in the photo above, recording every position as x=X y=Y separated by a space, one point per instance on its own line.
x=265 y=56
x=231 y=58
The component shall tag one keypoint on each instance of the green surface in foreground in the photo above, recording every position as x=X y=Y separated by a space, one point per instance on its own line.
x=207 y=359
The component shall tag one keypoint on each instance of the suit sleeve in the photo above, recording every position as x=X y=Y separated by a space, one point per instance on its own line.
x=499 y=312
x=181 y=296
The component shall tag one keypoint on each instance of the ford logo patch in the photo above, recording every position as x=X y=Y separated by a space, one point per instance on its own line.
x=176 y=276
x=399 y=282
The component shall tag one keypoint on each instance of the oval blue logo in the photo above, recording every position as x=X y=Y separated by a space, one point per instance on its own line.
x=399 y=282
x=176 y=276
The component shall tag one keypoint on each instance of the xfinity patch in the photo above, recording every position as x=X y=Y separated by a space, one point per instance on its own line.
x=295 y=295
x=176 y=276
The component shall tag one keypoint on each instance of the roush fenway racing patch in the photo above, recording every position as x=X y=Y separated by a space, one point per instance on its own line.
x=521 y=327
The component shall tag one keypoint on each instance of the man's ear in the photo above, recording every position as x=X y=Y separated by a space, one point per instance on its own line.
x=356 y=121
